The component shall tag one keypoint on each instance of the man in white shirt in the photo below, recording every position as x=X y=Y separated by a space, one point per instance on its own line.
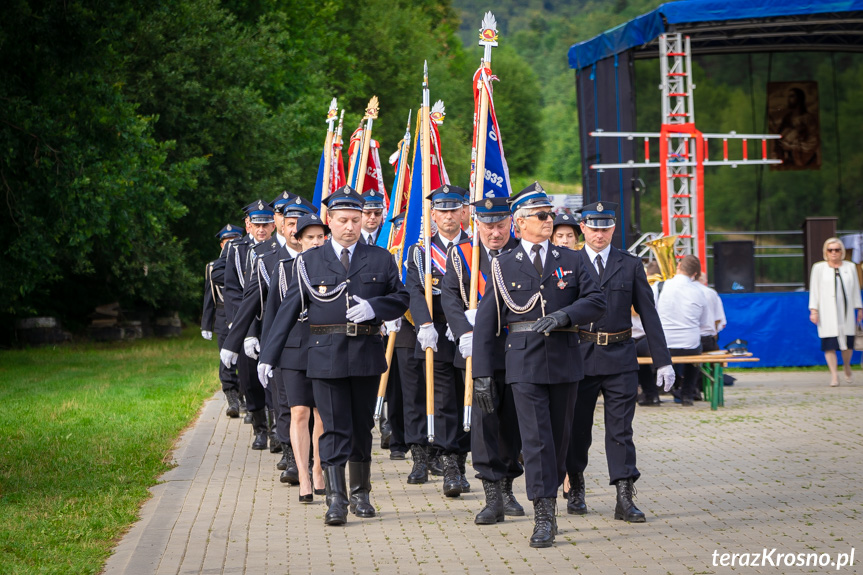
x=683 y=310
x=716 y=315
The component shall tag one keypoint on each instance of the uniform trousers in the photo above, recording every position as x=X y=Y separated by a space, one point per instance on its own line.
x=494 y=438
x=395 y=409
x=646 y=373
x=619 y=393
x=448 y=402
x=687 y=373
x=227 y=375
x=281 y=405
x=413 y=386
x=545 y=422
x=347 y=409
x=256 y=398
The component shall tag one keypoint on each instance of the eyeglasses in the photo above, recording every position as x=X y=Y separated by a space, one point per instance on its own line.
x=375 y=213
x=834 y=249
x=541 y=216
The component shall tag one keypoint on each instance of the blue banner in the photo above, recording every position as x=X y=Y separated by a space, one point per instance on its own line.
x=319 y=183
x=414 y=218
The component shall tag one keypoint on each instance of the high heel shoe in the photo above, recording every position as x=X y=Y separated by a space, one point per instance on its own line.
x=306 y=498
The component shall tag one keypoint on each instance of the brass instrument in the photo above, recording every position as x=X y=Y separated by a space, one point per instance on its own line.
x=663 y=250
x=579 y=245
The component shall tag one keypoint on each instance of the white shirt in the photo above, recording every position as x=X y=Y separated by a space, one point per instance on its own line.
x=682 y=310
x=337 y=247
x=593 y=255
x=637 y=327
x=715 y=311
x=367 y=235
x=280 y=238
x=294 y=254
x=528 y=247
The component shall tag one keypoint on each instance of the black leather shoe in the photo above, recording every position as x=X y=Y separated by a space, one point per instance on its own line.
x=361 y=486
x=386 y=433
x=397 y=455
x=434 y=462
x=419 y=473
x=337 y=496
x=291 y=475
x=283 y=462
x=247 y=418
x=275 y=444
x=511 y=507
x=545 y=524
x=575 y=504
x=493 y=511
x=625 y=509
x=645 y=401
x=259 y=428
x=233 y=409
x=451 y=476
x=462 y=462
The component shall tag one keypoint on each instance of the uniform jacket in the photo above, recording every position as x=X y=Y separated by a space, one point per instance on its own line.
x=533 y=357
x=446 y=350
x=237 y=267
x=214 y=284
x=295 y=352
x=624 y=285
x=373 y=276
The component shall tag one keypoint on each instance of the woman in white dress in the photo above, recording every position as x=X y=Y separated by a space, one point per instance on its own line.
x=834 y=306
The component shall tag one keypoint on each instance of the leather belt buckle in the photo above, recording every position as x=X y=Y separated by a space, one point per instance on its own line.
x=601 y=338
x=351 y=329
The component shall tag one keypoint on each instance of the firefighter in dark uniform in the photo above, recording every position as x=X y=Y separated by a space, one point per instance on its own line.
x=213 y=317
x=450 y=438
x=349 y=289
x=540 y=294
x=495 y=441
x=611 y=362
x=239 y=268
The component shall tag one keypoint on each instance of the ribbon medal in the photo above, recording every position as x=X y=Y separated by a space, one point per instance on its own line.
x=559 y=273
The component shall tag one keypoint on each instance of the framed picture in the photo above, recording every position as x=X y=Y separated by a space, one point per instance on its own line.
x=792 y=112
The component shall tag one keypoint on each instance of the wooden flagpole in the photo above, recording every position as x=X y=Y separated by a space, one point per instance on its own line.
x=487 y=39
x=425 y=139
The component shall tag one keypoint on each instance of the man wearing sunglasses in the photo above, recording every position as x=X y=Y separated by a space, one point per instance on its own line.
x=540 y=294
x=611 y=362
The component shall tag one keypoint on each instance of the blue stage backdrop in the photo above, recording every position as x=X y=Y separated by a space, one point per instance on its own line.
x=777 y=327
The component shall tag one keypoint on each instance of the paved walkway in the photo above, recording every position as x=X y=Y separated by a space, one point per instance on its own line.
x=778 y=467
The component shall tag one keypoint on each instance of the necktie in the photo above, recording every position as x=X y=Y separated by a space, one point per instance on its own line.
x=600 y=268
x=370 y=239
x=537 y=260
x=493 y=253
x=345 y=258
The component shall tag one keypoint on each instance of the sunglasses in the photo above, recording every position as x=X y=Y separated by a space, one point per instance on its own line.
x=376 y=213
x=834 y=249
x=541 y=216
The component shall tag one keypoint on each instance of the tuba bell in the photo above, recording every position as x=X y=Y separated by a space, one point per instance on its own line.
x=663 y=250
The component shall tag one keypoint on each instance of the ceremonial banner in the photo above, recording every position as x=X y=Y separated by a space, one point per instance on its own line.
x=497 y=181
x=337 y=174
x=393 y=210
x=465 y=252
x=413 y=223
x=319 y=183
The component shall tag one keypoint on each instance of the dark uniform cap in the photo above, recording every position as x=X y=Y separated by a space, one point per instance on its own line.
x=282 y=199
x=259 y=212
x=310 y=220
x=447 y=197
x=399 y=219
x=229 y=231
x=567 y=220
x=599 y=215
x=374 y=200
x=345 y=198
x=298 y=207
x=532 y=196
x=491 y=210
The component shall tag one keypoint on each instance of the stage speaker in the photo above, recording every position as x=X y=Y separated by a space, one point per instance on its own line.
x=816 y=231
x=734 y=266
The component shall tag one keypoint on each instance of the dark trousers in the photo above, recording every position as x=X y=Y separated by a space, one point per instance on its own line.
x=227 y=375
x=686 y=373
x=347 y=409
x=281 y=405
x=494 y=438
x=708 y=343
x=448 y=427
x=646 y=372
x=545 y=422
x=413 y=385
x=395 y=409
x=252 y=389
x=619 y=392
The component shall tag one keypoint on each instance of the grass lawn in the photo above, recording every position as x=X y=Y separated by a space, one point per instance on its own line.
x=85 y=431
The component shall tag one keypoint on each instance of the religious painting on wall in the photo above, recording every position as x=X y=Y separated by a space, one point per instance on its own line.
x=792 y=112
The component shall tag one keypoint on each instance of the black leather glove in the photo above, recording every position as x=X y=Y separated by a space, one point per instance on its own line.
x=551 y=321
x=484 y=393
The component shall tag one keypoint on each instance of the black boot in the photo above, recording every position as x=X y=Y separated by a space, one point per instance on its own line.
x=511 y=507
x=337 y=496
x=360 y=474
x=283 y=462
x=575 y=504
x=233 y=409
x=275 y=445
x=545 y=523
x=451 y=476
x=493 y=511
x=291 y=475
x=626 y=509
x=462 y=461
x=420 y=472
x=259 y=428
x=386 y=432
x=243 y=408
x=435 y=464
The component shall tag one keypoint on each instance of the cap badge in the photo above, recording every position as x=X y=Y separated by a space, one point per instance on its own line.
x=537 y=187
x=314 y=217
x=372 y=193
x=298 y=200
x=599 y=207
x=347 y=191
x=446 y=189
x=285 y=195
x=260 y=205
x=229 y=228
x=488 y=204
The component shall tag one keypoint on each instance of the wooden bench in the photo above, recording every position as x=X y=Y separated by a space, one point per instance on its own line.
x=712 y=368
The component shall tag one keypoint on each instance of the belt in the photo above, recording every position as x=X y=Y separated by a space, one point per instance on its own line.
x=350 y=329
x=518 y=326
x=603 y=338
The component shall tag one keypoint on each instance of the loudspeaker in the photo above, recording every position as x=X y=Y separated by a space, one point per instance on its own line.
x=815 y=233
x=734 y=266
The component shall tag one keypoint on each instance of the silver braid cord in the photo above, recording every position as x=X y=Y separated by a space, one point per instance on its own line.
x=418 y=260
x=239 y=267
x=507 y=298
x=324 y=297
x=459 y=272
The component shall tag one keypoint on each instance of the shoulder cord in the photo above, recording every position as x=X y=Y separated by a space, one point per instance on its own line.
x=212 y=285
x=324 y=297
x=459 y=272
x=262 y=274
x=418 y=260
x=239 y=267
x=500 y=286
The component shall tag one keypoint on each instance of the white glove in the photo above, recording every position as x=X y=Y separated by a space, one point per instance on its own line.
x=449 y=334
x=470 y=315
x=228 y=357
x=252 y=347
x=465 y=344
x=665 y=377
x=361 y=312
x=265 y=371
x=393 y=326
x=427 y=337
x=208 y=335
